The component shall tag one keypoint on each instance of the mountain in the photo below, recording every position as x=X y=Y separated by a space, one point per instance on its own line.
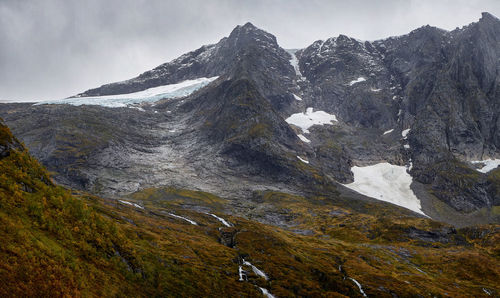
x=418 y=112
x=346 y=168
x=169 y=242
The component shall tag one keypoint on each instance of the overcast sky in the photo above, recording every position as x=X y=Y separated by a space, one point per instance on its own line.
x=56 y=48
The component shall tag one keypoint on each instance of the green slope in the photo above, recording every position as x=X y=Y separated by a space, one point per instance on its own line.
x=55 y=242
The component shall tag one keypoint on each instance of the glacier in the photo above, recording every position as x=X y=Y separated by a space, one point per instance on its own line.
x=177 y=90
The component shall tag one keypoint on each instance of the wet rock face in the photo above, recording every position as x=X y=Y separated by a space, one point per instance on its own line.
x=228 y=236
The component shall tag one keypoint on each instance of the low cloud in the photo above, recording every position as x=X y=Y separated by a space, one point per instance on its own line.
x=57 y=48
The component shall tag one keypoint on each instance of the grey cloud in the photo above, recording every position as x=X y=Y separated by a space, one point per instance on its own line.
x=56 y=48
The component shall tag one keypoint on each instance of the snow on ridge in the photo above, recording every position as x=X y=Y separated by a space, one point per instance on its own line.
x=358 y=80
x=489 y=165
x=303 y=138
x=177 y=90
x=310 y=118
x=386 y=182
x=388 y=131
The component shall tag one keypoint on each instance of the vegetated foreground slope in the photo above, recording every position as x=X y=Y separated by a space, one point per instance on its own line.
x=172 y=242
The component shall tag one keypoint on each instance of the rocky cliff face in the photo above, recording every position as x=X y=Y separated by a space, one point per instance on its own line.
x=428 y=100
x=7 y=141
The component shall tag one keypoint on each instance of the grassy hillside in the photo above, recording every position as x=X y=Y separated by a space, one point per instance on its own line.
x=56 y=242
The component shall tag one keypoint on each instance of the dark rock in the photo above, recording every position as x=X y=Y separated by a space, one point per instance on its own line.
x=228 y=236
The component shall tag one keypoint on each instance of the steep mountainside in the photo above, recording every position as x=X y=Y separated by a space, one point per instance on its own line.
x=307 y=122
x=172 y=242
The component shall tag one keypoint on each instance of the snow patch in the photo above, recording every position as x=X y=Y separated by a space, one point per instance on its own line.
x=302 y=160
x=222 y=220
x=388 y=131
x=405 y=132
x=295 y=63
x=297 y=97
x=310 y=118
x=488 y=164
x=406 y=146
x=375 y=90
x=358 y=80
x=181 y=217
x=177 y=90
x=303 y=138
x=138 y=108
x=386 y=182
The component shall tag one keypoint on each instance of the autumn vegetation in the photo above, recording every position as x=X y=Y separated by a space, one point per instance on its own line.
x=58 y=242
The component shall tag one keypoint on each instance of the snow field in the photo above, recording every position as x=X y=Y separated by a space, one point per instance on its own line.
x=386 y=182
x=310 y=118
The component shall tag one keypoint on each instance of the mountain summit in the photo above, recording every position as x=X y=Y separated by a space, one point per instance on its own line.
x=245 y=114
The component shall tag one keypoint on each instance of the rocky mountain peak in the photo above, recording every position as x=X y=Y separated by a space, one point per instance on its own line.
x=489 y=24
x=248 y=33
x=343 y=38
x=249 y=26
x=488 y=17
x=427 y=30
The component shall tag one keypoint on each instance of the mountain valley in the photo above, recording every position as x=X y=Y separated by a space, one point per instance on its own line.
x=346 y=168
